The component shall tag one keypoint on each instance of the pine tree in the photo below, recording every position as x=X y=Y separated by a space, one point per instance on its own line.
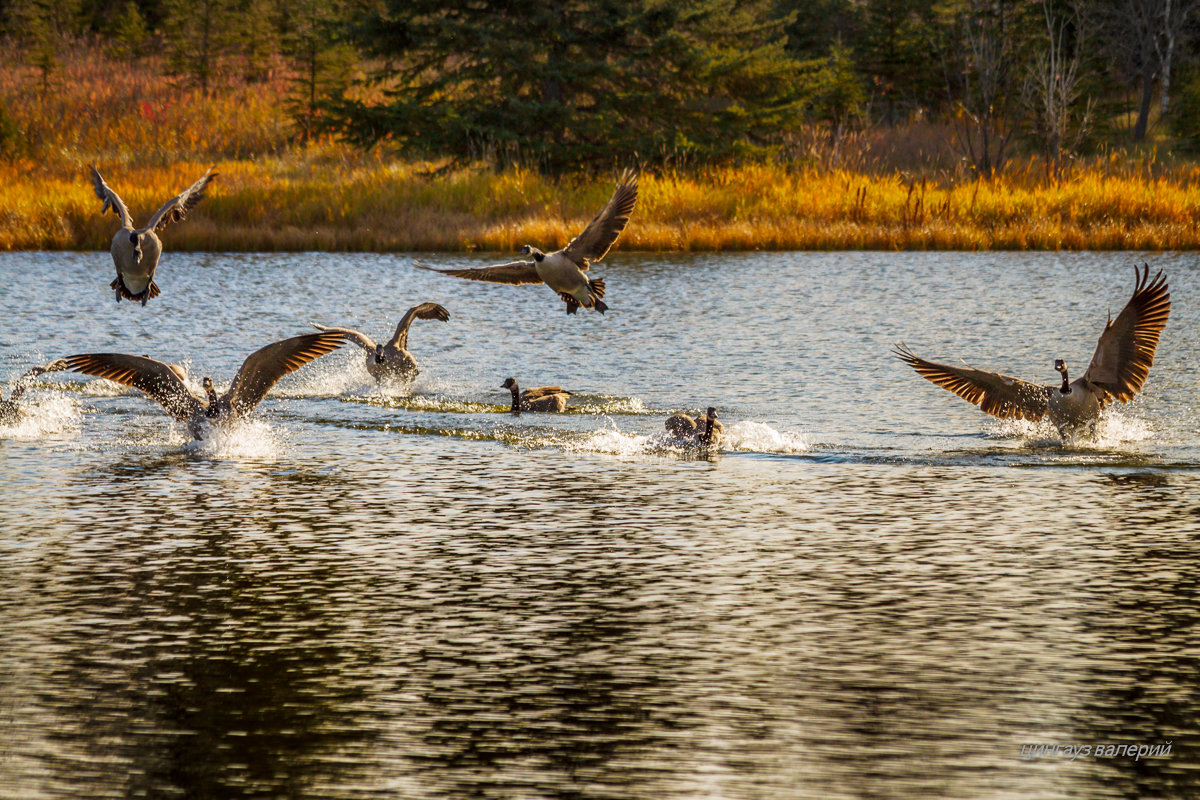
x=322 y=65
x=572 y=82
x=126 y=32
x=199 y=35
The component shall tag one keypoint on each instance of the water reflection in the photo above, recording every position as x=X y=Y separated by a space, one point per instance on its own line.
x=414 y=597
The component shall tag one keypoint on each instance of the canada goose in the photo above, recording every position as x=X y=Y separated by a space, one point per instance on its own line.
x=10 y=410
x=1118 y=370
x=709 y=436
x=705 y=431
x=135 y=251
x=166 y=382
x=543 y=398
x=681 y=426
x=563 y=270
x=392 y=361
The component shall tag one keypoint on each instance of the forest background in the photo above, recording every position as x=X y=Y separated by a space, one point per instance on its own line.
x=393 y=125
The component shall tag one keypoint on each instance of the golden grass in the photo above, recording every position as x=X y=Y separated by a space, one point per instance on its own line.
x=151 y=139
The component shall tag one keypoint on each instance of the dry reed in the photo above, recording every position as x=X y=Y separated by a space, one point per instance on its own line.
x=152 y=138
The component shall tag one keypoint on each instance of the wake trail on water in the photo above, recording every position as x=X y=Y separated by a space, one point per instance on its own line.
x=740 y=437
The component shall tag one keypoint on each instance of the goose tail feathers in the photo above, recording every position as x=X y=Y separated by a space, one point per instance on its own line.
x=123 y=292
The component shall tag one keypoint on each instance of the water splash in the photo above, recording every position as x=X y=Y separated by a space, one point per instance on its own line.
x=43 y=414
x=247 y=439
x=1114 y=428
x=758 y=437
x=603 y=404
x=744 y=437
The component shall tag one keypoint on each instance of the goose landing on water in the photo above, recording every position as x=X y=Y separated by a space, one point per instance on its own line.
x=166 y=382
x=563 y=270
x=10 y=410
x=543 y=398
x=392 y=361
x=1118 y=369
x=135 y=251
x=703 y=432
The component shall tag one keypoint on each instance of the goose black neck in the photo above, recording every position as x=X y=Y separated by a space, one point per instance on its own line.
x=1066 y=385
x=516 y=393
x=538 y=256
x=706 y=436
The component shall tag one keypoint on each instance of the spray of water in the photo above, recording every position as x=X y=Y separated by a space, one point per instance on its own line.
x=1114 y=428
x=44 y=414
x=247 y=439
x=745 y=437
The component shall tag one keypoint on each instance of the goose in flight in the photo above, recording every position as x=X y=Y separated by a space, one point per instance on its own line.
x=167 y=383
x=1118 y=369
x=10 y=410
x=542 y=398
x=135 y=251
x=564 y=270
x=392 y=361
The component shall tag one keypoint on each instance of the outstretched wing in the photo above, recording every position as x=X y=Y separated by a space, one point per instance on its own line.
x=267 y=365
x=360 y=339
x=111 y=199
x=1125 y=351
x=423 y=311
x=152 y=377
x=543 y=391
x=996 y=394
x=516 y=272
x=177 y=207
x=605 y=227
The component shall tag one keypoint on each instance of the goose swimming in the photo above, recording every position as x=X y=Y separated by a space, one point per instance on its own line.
x=10 y=410
x=167 y=383
x=543 y=398
x=392 y=361
x=564 y=270
x=135 y=251
x=1118 y=369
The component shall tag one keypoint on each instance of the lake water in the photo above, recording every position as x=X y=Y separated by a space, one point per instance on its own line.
x=873 y=590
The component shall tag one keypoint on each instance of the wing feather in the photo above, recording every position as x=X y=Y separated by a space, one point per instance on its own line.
x=145 y=374
x=360 y=339
x=265 y=366
x=1126 y=348
x=600 y=234
x=423 y=311
x=542 y=391
x=177 y=207
x=515 y=273
x=995 y=394
x=111 y=199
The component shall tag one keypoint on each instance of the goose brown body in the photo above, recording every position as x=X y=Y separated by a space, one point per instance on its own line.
x=135 y=251
x=392 y=361
x=565 y=270
x=551 y=399
x=166 y=384
x=1118 y=369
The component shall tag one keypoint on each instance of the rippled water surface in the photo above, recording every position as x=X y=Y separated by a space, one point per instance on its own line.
x=872 y=590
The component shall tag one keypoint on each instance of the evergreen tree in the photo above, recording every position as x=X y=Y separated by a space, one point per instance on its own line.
x=126 y=32
x=199 y=35
x=39 y=26
x=569 y=82
x=894 y=55
x=322 y=65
